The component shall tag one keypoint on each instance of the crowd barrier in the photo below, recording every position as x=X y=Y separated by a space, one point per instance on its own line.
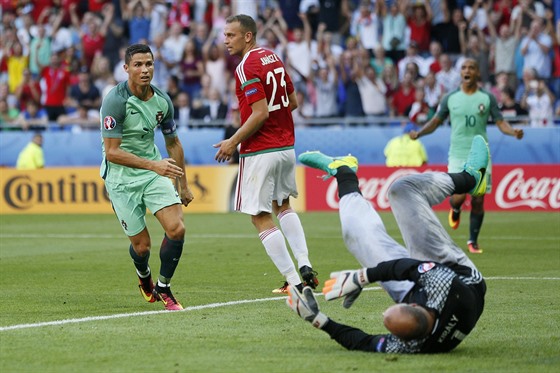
x=540 y=145
x=81 y=191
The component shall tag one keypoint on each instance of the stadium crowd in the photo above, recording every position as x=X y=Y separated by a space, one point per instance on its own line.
x=369 y=61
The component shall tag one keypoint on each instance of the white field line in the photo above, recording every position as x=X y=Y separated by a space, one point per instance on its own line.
x=222 y=235
x=208 y=306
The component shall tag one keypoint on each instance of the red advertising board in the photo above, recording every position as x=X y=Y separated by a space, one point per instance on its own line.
x=514 y=187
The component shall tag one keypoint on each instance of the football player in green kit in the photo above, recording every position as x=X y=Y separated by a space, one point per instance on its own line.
x=136 y=176
x=468 y=109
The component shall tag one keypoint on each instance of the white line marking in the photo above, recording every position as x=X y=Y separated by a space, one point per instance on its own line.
x=206 y=306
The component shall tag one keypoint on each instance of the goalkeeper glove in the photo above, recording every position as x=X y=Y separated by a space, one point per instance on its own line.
x=305 y=306
x=347 y=284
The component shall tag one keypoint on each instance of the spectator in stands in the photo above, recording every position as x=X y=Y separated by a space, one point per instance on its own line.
x=411 y=56
x=56 y=80
x=414 y=71
x=326 y=85
x=33 y=117
x=81 y=118
x=210 y=109
x=100 y=73
x=183 y=111
x=8 y=115
x=447 y=77
x=137 y=13
x=365 y=24
x=304 y=110
x=16 y=63
x=433 y=91
x=39 y=50
x=528 y=11
x=447 y=33
x=175 y=43
x=431 y=63
x=165 y=61
x=504 y=43
x=539 y=102
x=476 y=14
x=115 y=40
x=230 y=129
x=501 y=83
x=420 y=112
x=529 y=74
x=93 y=32
x=419 y=22
x=394 y=28
x=192 y=68
x=379 y=60
x=390 y=78
x=84 y=93
x=402 y=151
x=119 y=73
x=28 y=90
x=371 y=87
x=510 y=109
x=32 y=156
x=556 y=59
x=403 y=97
x=535 y=49
x=299 y=52
x=214 y=62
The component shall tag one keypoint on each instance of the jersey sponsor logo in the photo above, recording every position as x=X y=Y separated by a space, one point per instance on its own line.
x=425 y=267
x=109 y=122
x=250 y=92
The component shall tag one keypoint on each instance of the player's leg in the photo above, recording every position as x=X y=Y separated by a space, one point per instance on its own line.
x=456 y=202
x=130 y=211
x=476 y=218
x=160 y=196
x=362 y=229
x=254 y=196
x=411 y=198
x=285 y=186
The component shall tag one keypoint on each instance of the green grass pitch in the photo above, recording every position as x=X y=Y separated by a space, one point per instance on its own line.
x=76 y=270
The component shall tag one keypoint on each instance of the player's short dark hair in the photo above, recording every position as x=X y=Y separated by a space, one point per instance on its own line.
x=247 y=23
x=134 y=49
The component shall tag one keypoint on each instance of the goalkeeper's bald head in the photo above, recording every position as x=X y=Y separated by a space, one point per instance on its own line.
x=408 y=321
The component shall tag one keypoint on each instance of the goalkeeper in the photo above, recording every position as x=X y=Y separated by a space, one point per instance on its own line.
x=438 y=291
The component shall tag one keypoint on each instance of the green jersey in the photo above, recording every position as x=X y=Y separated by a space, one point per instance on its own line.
x=468 y=114
x=134 y=121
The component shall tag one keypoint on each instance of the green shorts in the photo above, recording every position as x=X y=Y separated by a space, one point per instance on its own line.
x=131 y=200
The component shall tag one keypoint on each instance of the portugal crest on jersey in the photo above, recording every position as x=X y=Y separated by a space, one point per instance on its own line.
x=481 y=108
x=159 y=117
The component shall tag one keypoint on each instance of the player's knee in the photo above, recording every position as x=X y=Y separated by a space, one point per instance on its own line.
x=177 y=232
x=397 y=188
x=142 y=248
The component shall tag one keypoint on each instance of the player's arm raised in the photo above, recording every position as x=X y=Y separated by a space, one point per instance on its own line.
x=427 y=128
x=255 y=121
x=115 y=154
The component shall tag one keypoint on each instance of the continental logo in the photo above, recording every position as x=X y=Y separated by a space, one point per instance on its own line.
x=32 y=190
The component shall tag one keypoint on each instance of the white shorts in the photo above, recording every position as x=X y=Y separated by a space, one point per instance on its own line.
x=264 y=178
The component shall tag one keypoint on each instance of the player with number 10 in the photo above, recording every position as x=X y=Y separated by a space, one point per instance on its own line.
x=267 y=157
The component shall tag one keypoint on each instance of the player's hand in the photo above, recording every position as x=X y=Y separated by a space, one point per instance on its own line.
x=518 y=133
x=346 y=284
x=305 y=306
x=167 y=167
x=186 y=196
x=225 y=151
x=413 y=134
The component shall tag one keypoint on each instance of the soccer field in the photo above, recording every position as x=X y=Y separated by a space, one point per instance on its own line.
x=70 y=301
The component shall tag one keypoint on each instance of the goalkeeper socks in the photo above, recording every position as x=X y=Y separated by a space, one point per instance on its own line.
x=347 y=181
x=463 y=182
x=476 y=224
x=140 y=262
x=169 y=254
x=275 y=246
x=293 y=230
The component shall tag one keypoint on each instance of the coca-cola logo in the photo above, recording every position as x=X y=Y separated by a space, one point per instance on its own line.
x=373 y=189
x=515 y=191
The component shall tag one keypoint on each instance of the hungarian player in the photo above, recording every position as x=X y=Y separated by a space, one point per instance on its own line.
x=266 y=140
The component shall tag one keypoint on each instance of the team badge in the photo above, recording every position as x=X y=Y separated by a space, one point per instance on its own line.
x=425 y=267
x=481 y=108
x=109 y=122
x=159 y=117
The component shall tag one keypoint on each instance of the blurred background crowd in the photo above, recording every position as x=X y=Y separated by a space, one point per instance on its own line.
x=366 y=62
